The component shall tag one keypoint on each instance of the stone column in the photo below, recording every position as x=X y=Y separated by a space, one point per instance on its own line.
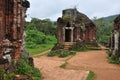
x=72 y=34
x=116 y=37
x=63 y=34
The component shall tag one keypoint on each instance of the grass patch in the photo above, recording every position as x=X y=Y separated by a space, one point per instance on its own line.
x=114 y=61
x=40 y=48
x=64 y=65
x=91 y=76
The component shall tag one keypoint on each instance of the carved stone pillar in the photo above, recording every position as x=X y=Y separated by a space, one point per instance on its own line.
x=72 y=28
x=116 y=37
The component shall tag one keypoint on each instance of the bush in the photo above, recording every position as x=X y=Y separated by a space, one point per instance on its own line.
x=35 y=38
x=9 y=76
x=6 y=76
x=85 y=47
x=114 y=61
x=23 y=68
x=37 y=75
x=82 y=47
x=111 y=59
x=54 y=53
x=1 y=73
x=61 y=53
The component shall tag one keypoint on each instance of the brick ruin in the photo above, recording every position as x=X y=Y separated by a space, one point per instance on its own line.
x=12 y=22
x=115 y=39
x=74 y=26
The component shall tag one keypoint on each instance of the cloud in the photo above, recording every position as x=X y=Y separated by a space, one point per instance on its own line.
x=53 y=8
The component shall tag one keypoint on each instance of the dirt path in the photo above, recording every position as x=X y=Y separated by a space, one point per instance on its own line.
x=50 y=69
x=97 y=62
x=78 y=66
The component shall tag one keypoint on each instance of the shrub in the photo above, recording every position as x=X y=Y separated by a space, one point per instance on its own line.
x=54 y=53
x=23 y=68
x=81 y=47
x=114 y=61
x=61 y=53
x=9 y=76
x=111 y=59
x=37 y=75
x=64 y=54
x=6 y=76
x=1 y=73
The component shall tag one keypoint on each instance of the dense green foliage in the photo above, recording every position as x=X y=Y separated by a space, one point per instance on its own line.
x=46 y=26
x=24 y=68
x=104 y=27
x=21 y=68
x=6 y=76
x=40 y=35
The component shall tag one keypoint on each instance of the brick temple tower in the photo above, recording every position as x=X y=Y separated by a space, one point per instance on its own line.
x=74 y=26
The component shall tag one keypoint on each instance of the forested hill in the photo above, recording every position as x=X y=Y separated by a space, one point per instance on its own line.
x=110 y=18
x=104 y=27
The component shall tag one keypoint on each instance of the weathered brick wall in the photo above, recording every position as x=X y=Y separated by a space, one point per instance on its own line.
x=83 y=28
x=12 y=22
x=114 y=43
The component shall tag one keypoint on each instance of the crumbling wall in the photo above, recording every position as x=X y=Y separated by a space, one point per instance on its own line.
x=12 y=22
x=115 y=40
x=83 y=28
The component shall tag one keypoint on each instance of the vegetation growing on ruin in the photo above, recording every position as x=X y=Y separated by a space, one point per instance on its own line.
x=112 y=58
x=21 y=68
x=24 y=68
x=61 y=53
x=85 y=47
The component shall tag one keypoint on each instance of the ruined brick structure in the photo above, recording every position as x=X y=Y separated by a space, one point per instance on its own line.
x=75 y=26
x=12 y=22
x=115 y=39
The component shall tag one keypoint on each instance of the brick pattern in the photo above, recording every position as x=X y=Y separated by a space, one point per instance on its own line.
x=84 y=28
x=12 y=22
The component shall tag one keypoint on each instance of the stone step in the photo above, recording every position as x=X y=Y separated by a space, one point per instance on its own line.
x=67 y=47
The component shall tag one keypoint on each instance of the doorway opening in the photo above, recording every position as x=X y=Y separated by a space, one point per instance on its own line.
x=67 y=35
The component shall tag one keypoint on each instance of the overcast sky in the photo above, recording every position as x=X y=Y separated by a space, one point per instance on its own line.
x=52 y=9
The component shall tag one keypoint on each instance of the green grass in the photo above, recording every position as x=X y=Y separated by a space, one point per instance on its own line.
x=40 y=48
x=114 y=61
x=64 y=65
x=91 y=76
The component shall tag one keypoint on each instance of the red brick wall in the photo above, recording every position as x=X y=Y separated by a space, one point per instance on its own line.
x=12 y=23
